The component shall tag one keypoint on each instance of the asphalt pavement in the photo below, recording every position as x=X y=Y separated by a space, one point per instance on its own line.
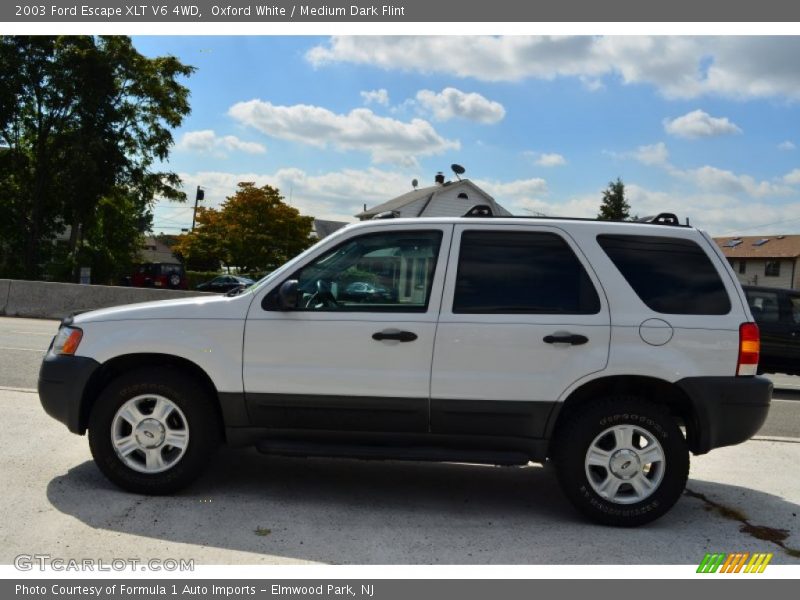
x=23 y=343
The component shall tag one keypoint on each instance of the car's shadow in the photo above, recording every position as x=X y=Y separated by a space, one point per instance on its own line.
x=356 y=512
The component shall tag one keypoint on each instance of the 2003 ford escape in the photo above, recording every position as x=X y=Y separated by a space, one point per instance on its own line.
x=612 y=349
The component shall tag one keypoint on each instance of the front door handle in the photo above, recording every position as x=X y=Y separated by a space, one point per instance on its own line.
x=569 y=338
x=400 y=336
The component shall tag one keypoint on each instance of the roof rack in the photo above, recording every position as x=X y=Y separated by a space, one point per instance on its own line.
x=664 y=218
x=388 y=214
x=479 y=210
x=485 y=211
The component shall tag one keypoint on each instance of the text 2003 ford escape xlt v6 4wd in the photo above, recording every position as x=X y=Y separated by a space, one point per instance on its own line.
x=489 y=340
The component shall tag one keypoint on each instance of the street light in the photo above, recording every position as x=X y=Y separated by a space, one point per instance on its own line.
x=201 y=193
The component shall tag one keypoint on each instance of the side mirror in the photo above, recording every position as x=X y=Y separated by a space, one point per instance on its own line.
x=287 y=295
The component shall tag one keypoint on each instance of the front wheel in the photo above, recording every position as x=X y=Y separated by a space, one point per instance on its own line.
x=622 y=461
x=153 y=430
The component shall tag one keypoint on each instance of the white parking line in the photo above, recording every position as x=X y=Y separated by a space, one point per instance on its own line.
x=39 y=350
x=34 y=333
x=775 y=438
x=19 y=389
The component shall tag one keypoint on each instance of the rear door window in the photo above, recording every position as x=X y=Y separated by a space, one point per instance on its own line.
x=517 y=272
x=670 y=275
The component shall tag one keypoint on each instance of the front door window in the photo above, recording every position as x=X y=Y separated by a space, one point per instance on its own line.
x=386 y=272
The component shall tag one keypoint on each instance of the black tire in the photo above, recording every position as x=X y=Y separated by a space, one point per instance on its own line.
x=201 y=419
x=577 y=435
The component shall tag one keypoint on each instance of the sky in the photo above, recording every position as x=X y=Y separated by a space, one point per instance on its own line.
x=704 y=127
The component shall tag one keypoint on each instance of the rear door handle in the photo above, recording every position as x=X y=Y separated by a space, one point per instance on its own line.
x=400 y=336
x=573 y=339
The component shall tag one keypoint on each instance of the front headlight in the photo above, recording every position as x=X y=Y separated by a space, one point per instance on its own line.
x=67 y=340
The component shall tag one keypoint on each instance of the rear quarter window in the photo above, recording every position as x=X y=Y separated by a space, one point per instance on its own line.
x=670 y=275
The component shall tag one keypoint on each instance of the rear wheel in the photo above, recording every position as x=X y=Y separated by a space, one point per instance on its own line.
x=153 y=430
x=622 y=461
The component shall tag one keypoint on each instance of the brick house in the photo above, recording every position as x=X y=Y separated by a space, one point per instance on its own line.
x=769 y=260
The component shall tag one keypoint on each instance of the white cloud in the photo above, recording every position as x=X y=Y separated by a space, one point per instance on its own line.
x=728 y=182
x=207 y=141
x=786 y=145
x=546 y=159
x=585 y=206
x=535 y=186
x=451 y=102
x=718 y=213
x=339 y=195
x=792 y=178
x=380 y=96
x=336 y=195
x=515 y=195
x=709 y=178
x=715 y=212
x=679 y=66
x=387 y=140
x=593 y=84
x=698 y=124
x=654 y=155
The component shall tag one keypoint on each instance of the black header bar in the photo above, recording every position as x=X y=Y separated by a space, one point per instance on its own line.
x=437 y=11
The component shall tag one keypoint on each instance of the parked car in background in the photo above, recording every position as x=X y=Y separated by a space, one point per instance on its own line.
x=224 y=284
x=160 y=275
x=777 y=312
x=363 y=291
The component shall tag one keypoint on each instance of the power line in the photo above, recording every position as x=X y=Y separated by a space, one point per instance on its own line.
x=178 y=227
x=760 y=226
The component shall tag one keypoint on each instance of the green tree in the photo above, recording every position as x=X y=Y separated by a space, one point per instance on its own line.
x=614 y=206
x=253 y=230
x=85 y=122
x=203 y=248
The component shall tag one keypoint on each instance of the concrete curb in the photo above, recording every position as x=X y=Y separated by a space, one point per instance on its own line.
x=5 y=288
x=42 y=299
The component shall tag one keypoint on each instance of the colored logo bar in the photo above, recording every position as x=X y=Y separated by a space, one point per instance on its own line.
x=737 y=562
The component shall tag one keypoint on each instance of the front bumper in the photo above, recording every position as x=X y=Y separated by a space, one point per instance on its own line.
x=62 y=381
x=728 y=410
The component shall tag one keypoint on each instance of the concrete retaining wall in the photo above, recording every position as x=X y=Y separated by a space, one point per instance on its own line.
x=5 y=286
x=47 y=300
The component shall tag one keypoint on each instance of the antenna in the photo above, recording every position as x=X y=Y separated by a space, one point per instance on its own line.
x=414 y=183
x=535 y=213
x=458 y=170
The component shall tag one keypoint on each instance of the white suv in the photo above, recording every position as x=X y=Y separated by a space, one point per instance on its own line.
x=612 y=349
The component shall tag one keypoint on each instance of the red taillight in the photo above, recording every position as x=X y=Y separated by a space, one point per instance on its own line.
x=749 y=348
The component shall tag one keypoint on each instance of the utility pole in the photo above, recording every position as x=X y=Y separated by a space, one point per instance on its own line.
x=201 y=193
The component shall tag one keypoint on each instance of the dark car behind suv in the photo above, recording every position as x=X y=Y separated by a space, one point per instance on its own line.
x=777 y=312
x=224 y=284
x=158 y=275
